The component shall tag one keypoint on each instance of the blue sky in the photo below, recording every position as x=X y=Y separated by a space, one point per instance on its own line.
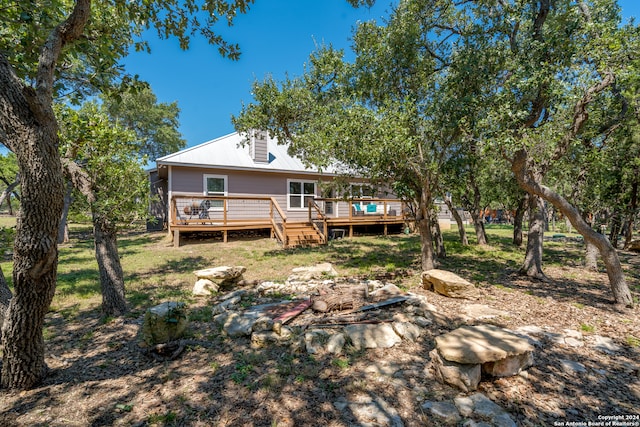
x=276 y=38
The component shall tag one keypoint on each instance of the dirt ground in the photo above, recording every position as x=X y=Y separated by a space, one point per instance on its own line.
x=100 y=377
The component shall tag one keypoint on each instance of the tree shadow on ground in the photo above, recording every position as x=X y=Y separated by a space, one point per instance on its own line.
x=226 y=382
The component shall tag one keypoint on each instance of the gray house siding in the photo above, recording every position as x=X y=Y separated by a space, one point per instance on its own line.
x=189 y=181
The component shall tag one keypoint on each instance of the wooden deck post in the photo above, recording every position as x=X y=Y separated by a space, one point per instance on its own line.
x=224 y=236
x=350 y=230
x=176 y=238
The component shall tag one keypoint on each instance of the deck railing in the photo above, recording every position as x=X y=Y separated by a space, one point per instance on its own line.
x=228 y=213
x=278 y=222
x=366 y=208
x=316 y=215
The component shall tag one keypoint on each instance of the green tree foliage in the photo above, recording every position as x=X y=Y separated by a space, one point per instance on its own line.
x=51 y=49
x=108 y=153
x=155 y=124
x=101 y=159
x=383 y=115
x=527 y=81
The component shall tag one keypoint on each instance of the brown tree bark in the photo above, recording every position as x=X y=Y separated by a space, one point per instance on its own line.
x=633 y=207
x=63 y=228
x=591 y=257
x=476 y=212
x=28 y=127
x=532 y=265
x=423 y=222
x=461 y=231
x=106 y=245
x=111 y=274
x=617 y=282
x=616 y=225
x=438 y=240
x=5 y=298
x=519 y=218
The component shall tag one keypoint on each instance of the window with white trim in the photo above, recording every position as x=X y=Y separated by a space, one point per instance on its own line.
x=300 y=192
x=362 y=191
x=215 y=185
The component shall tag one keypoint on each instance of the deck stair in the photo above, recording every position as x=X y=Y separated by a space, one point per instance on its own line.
x=302 y=234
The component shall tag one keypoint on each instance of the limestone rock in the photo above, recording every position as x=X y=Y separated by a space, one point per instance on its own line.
x=226 y=305
x=315 y=272
x=446 y=411
x=464 y=405
x=234 y=324
x=481 y=344
x=448 y=284
x=509 y=366
x=372 y=336
x=606 y=345
x=241 y=324
x=315 y=340
x=163 y=323
x=485 y=407
x=204 y=287
x=336 y=343
x=265 y=338
x=407 y=330
x=464 y=376
x=222 y=276
x=481 y=311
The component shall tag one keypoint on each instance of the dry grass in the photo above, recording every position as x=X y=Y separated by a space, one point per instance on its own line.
x=100 y=377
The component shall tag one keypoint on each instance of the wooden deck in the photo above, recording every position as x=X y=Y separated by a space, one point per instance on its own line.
x=233 y=213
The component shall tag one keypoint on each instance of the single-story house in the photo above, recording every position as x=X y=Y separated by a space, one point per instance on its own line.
x=240 y=182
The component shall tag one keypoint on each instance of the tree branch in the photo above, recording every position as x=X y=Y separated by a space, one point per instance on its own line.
x=67 y=32
x=580 y=113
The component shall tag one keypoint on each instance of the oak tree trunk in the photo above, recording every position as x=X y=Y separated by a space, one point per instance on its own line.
x=519 y=218
x=591 y=257
x=532 y=265
x=461 y=231
x=478 y=225
x=63 y=228
x=29 y=128
x=633 y=207
x=5 y=297
x=426 y=243
x=476 y=213
x=423 y=222
x=617 y=282
x=616 y=225
x=35 y=256
x=111 y=274
x=6 y=194
x=438 y=240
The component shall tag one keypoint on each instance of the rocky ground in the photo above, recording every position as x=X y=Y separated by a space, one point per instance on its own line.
x=587 y=366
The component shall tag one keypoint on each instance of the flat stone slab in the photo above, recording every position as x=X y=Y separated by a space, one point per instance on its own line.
x=481 y=311
x=448 y=284
x=481 y=344
x=314 y=272
x=223 y=274
x=372 y=336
